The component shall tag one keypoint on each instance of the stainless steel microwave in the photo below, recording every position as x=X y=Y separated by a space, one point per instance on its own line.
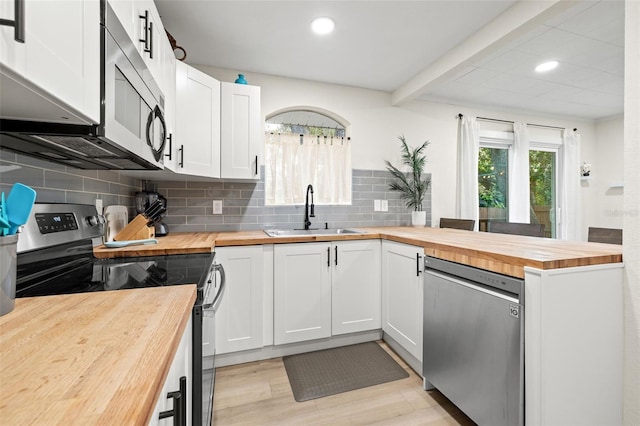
x=131 y=134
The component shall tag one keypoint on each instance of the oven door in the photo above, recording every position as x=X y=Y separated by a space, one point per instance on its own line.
x=133 y=108
x=213 y=292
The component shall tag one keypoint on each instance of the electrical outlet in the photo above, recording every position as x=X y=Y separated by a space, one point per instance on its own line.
x=384 y=205
x=376 y=205
x=99 y=205
x=217 y=206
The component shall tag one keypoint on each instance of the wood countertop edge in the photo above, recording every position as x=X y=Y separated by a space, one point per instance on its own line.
x=127 y=372
x=500 y=261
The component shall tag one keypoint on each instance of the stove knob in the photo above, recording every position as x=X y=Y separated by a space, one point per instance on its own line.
x=94 y=220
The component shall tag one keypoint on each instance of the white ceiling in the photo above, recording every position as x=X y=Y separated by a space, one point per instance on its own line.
x=385 y=45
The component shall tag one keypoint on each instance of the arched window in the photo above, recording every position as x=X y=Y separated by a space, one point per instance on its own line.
x=307 y=147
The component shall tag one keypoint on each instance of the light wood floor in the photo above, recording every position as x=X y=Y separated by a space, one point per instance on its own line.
x=258 y=393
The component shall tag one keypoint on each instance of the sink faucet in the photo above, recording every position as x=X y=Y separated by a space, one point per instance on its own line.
x=307 y=222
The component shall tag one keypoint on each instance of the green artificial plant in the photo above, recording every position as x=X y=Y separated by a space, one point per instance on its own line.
x=411 y=186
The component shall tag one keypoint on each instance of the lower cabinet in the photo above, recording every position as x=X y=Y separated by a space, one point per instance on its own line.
x=175 y=400
x=325 y=289
x=402 y=287
x=239 y=320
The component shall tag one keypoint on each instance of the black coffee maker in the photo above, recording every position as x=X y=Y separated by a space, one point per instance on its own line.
x=145 y=198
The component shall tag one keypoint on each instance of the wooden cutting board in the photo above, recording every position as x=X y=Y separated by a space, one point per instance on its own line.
x=176 y=243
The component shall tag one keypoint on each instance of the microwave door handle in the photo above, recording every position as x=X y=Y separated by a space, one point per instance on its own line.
x=156 y=113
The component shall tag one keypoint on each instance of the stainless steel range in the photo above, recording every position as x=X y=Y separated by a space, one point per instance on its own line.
x=55 y=256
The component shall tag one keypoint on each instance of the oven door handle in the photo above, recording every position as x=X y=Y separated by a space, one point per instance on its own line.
x=213 y=306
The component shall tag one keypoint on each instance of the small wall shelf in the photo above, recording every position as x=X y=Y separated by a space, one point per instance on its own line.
x=585 y=178
x=617 y=185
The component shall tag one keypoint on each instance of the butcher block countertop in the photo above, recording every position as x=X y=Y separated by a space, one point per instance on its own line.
x=90 y=358
x=501 y=253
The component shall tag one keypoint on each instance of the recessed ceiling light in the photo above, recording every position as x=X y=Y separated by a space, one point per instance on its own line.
x=546 y=66
x=323 y=25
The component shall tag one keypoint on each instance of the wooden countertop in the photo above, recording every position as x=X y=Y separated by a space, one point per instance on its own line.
x=502 y=253
x=90 y=358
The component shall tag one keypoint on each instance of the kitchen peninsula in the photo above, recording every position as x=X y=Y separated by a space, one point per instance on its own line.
x=573 y=320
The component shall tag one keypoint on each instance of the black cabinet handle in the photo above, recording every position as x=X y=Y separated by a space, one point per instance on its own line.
x=18 y=21
x=179 y=410
x=181 y=163
x=336 y=247
x=148 y=34
x=418 y=269
x=170 y=138
x=256 y=165
x=329 y=257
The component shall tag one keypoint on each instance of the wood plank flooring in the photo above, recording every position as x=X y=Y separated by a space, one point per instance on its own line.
x=258 y=393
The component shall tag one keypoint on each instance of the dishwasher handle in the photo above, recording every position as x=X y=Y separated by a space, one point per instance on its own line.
x=505 y=296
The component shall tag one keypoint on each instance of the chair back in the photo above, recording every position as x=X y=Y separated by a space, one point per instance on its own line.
x=466 y=224
x=529 y=229
x=605 y=235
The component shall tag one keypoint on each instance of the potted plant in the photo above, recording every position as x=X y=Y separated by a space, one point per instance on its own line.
x=411 y=185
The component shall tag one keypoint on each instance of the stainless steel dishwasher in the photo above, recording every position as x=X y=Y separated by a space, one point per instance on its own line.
x=473 y=347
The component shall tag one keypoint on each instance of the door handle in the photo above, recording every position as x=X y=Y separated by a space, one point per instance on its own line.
x=170 y=138
x=18 y=21
x=179 y=410
x=148 y=34
x=156 y=113
x=256 y=165
x=181 y=163
x=329 y=257
x=418 y=269
x=336 y=247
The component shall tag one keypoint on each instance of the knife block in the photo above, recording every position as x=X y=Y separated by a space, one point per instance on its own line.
x=137 y=229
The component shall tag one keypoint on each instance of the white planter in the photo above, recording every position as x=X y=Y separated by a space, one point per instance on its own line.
x=418 y=218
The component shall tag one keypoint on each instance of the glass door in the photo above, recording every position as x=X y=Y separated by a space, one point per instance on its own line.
x=542 y=189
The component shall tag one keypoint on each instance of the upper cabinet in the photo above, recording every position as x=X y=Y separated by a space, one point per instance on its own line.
x=196 y=142
x=240 y=133
x=217 y=127
x=53 y=54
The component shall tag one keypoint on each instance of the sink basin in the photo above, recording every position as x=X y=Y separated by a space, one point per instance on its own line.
x=304 y=232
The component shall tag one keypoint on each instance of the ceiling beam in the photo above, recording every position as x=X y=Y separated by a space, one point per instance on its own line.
x=519 y=19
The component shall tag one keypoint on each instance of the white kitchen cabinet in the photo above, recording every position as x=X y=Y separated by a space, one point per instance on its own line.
x=239 y=320
x=302 y=292
x=180 y=367
x=355 y=286
x=59 y=61
x=325 y=289
x=241 y=134
x=196 y=141
x=402 y=287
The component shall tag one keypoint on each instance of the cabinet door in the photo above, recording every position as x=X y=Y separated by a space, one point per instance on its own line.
x=241 y=131
x=402 y=290
x=238 y=321
x=355 y=286
x=59 y=60
x=197 y=136
x=180 y=367
x=169 y=90
x=302 y=292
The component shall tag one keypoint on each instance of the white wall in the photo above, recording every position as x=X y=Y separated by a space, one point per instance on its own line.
x=376 y=125
x=631 y=217
x=606 y=170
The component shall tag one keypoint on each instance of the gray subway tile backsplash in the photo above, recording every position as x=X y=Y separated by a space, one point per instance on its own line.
x=190 y=203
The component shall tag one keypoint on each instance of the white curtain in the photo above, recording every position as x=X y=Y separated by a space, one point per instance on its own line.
x=570 y=219
x=467 y=189
x=519 y=200
x=293 y=161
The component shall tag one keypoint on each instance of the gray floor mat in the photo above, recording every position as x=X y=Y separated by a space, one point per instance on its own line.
x=328 y=372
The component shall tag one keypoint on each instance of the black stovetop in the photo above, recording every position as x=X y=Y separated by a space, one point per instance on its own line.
x=66 y=270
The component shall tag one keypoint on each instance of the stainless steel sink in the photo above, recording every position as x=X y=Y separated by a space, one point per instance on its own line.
x=304 y=232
